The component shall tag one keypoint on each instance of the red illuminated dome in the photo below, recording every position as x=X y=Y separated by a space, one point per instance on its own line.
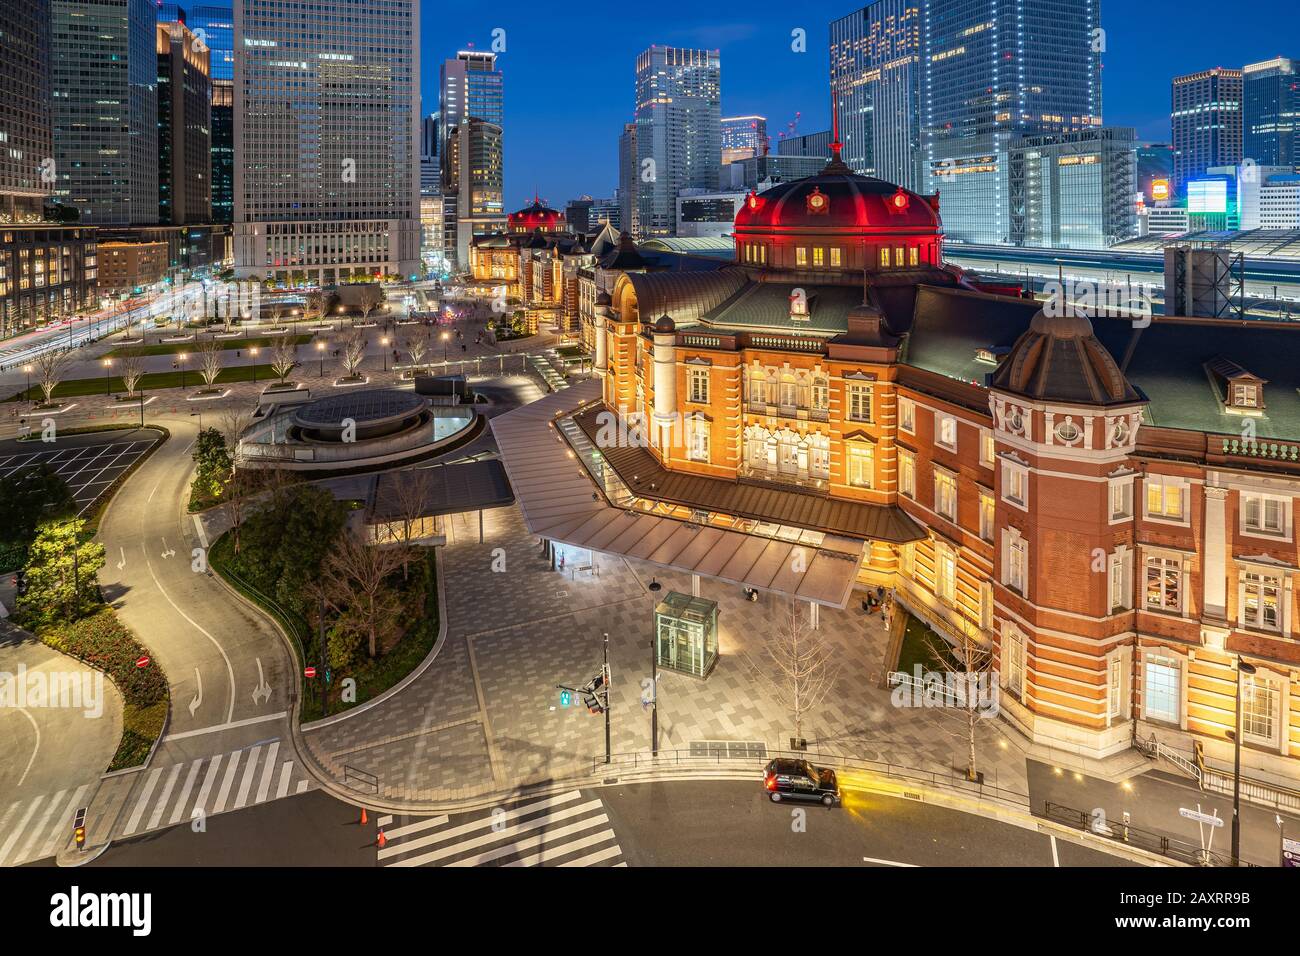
x=536 y=216
x=838 y=220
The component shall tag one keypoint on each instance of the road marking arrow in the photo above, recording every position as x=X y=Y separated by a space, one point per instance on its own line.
x=198 y=698
x=121 y=564
x=166 y=551
x=263 y=689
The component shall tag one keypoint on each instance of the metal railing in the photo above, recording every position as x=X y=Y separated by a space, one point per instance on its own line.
x=359 y=779
x=685 y=760
x=1137 y=837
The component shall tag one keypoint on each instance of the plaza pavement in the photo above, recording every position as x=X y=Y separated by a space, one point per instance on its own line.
x=485 y=717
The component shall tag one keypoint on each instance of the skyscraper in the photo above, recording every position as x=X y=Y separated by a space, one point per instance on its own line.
x=430 y=163
x=475 y=164
x=184 y=127
x=471 y=87
x=876 y=82
x=214 y=25
x=1270 y=112
x=47 y=269
x=629 y=177
x=105 y=71
x=991 y=72
x=743 y=137
x=1205 y=120
x=678 y=130
x=223 y=151
x=327 y=109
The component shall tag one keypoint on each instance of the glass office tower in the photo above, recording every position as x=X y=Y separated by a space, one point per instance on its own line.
x=678 y=130
x=1270 y=112
x=993 y=72
x=471 y=87
x=1205 y=123
x=106 y=117
x=876 y=82
x=327 y=113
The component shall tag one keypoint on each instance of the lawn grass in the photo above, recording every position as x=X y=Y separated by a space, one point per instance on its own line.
x=81 y=387
x=175 y=348
x=918 y=638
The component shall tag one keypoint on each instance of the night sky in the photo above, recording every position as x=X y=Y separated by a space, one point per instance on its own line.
x=569 y=68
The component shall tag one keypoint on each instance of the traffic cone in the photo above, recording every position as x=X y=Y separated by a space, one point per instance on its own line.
x=381 y=841
x=363 y=816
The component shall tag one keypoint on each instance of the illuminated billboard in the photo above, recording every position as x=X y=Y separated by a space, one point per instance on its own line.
x=1207 y=196
x=1159 y=189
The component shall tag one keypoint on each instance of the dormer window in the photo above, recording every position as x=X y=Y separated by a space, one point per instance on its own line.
x=1242 y=392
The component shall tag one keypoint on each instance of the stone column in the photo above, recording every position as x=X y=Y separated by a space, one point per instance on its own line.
x=602 y=344
x=1214 y=568
x=665 y=371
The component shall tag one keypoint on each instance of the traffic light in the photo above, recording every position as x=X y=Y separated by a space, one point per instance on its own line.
x=566 y=698
x=594 y=706
x=80 y=835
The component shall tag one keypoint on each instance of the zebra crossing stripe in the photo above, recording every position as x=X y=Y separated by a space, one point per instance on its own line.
x=286 y=772
x=208 y=780
x=600 y=856
x=268 y=768
x=185 y=792
x=495 y=835
x=40 y=827
x=528 y=843
x=410 y=828
x=155 y=818
x=13 y=837
x=226 y=781
x=479 y=824
x=547 y=854
x=246 y=782
x=133 y=823
x=52 y=844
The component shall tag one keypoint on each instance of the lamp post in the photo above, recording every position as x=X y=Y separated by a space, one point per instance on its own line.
x=28 y=394
x=252 y=351
x=1248 y=669
x=108 y=381
x=181 y=359
x=384 y=343
x=445 y=337
x=320 y=347
x=654 y=588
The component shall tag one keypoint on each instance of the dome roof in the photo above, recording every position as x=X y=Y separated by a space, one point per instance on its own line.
x=1058 y=358
x=535 y=216
x=665 y=325
x=838 y=200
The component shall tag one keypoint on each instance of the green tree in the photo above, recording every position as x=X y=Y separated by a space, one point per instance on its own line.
x=62 y=564
x=213 y=461
x=27 y=498
x=282 y=546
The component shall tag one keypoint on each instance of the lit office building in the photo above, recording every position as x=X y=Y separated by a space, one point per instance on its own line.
x=430 y=168
x=223 y=151
x=214 y=27
x=104 y=67
x=472 y=88
x=1075 y=190
x=475 y=170
x=47 y=267
x=805 y=144
x=992 y=73
x=629 y=180
x=184 y=127
x=743 y=137
x=749 y=173
x=876 y=82
x=678 y=129
x=605 y=211
x=707 y=215
x=1205 y=121
x=1155 y=172
x=1270 y=112
x=338 y=197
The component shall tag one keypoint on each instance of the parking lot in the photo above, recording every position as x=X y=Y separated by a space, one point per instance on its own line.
x=88 y=463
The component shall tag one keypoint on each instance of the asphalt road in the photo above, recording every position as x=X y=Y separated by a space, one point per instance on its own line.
x=671 y=824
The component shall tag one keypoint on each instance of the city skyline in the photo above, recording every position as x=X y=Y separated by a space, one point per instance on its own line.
x=756 y=49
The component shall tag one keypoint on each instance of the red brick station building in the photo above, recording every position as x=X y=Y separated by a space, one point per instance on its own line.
x=1109 y=507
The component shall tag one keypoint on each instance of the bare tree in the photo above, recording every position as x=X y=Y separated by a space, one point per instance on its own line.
x=313 y=304
x=277 y=312
x=234 y=422
x=235 y=499
x=417 y=346
x=969 y=694
x=52 y=367
x=356 y=576
x=797 y=665
x=353 y=352
x=410 y=493
x=132 y=370
x=372 y=297
x=284 y=356
x=210 y=360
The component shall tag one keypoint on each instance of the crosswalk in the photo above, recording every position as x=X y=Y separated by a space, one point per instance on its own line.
x=567 y=829
x=39 y=827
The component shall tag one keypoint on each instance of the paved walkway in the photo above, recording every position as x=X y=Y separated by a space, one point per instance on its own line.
x=486 y=715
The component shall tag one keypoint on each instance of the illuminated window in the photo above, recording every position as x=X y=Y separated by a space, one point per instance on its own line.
x=699 y=385
x=1164 y=585
x=819 y=256
x=835 y=258
x=987 y=512
x=913 y=256
x=945 y=494
x=945 y=431
x=1263 y=514
x=1259 y=709
x=945 y=579
x=1259 y=601
x=884 y=257
x=861 y=465
x=898 y=256
x=698 y=438
x=1165 y=498
x=1161 y=689
x=859 y=403
x=907 y=415
x=1015 y=560
x=907 y=473
x=801 y=256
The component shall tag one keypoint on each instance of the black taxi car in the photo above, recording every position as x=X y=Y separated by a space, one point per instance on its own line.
x=786 y=778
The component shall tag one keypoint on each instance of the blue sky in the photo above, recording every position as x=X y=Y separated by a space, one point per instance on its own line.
x=569 y=68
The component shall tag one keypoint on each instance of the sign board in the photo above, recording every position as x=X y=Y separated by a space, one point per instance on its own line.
x=143 y=661
x=309 y=672
x=1290 y=852
x=1212 y=819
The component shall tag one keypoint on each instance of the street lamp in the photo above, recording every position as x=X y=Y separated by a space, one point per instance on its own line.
x=654 y=587
x=320 y=347
x=108 y=382
x=28 y=394
x=181 y=359
x=445 y=337
x=252 y=351
x=384 y=343
x=1243 y=667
